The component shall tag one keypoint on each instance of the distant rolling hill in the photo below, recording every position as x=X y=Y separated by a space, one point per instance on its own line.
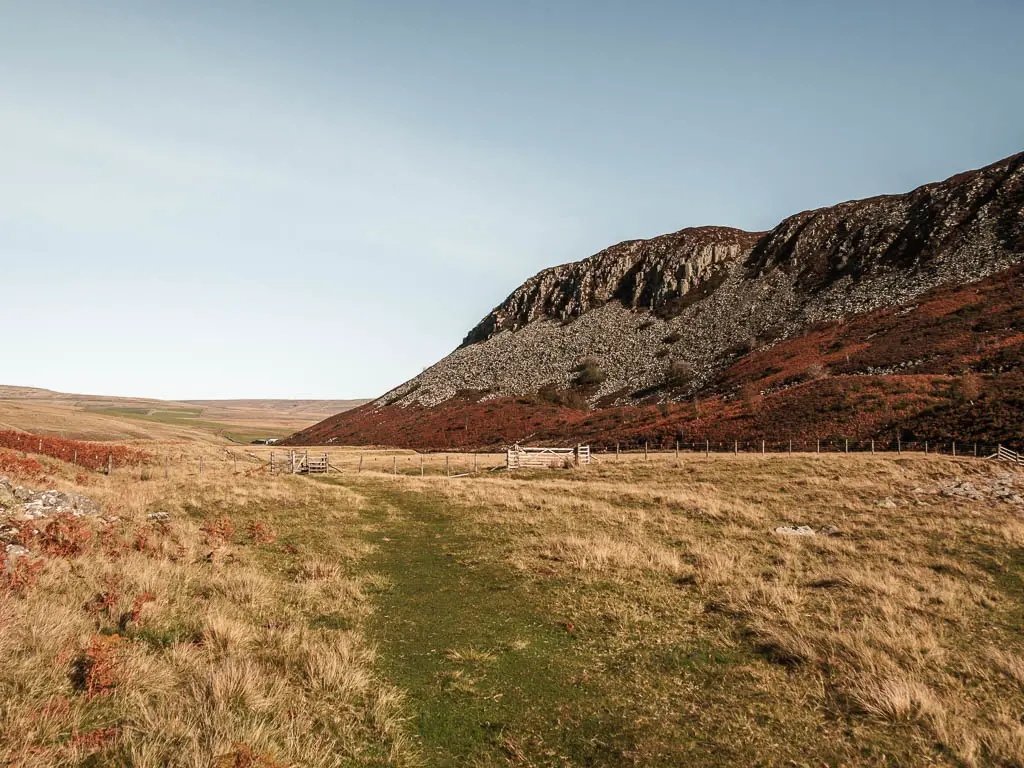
x=99 y=417
x=894 y=316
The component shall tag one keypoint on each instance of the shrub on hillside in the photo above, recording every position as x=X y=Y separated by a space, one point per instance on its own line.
x=744 y=346
x=751 y=396
x=815 y=371
x=565 y=398
x=966 y=388
x=679 y=373
x=589 y=373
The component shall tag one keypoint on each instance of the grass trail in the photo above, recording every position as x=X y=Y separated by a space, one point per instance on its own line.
x=491 y=674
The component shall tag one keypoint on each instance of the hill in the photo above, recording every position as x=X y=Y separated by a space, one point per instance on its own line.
x=99 y=417
x=891 y=315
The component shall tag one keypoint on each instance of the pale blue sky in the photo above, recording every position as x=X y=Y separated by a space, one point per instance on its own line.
x=318 y=199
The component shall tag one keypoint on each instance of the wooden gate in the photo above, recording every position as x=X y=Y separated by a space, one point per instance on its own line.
x=301 y=464
x=522 y=457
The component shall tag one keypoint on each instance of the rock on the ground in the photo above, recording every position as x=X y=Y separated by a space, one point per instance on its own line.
x=25 y=503
x=799 y=530
x=1003 y=488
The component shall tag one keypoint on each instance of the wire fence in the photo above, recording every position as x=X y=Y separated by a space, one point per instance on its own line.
x=835 y=445
x=462 y=464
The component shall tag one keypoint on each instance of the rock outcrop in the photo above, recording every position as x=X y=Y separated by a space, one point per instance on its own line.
x=657 y=274
x=21 y=503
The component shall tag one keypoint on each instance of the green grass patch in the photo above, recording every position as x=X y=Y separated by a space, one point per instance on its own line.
x=190 y=418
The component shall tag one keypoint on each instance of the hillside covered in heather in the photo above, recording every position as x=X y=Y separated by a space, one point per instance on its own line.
x=900 y=315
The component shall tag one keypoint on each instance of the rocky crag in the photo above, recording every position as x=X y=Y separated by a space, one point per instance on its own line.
x=666 y=319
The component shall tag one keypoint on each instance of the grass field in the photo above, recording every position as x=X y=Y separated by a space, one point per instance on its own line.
x=93 y=417
x=630 y=613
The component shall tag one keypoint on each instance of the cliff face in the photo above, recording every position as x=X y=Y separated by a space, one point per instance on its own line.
x=653 y=274
x=663 y=319
x=974 y=217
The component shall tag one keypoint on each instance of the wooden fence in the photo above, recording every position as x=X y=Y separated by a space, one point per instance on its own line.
x=1005 y=454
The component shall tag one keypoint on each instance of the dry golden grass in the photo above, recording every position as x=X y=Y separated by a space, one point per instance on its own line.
x=910 y=616
x=184 y=642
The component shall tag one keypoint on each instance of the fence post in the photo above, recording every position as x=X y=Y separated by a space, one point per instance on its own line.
x=394 y=465
x=707 y=447
x=360 y=464
x=447 y=466
x=110 y=463
x=926 y=446
x=817 y=447
x=645 y=450
x=872 y=446
x=975 y=450
x=899 y=445
x=475 y=470
x=421 y=465
x=954 y=449
x=790 y=447
x=616 y=450
x=75 y=460
x=762 y=447
x=846 y=448
x=677 y=452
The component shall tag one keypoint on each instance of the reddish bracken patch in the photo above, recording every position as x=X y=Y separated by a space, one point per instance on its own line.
x=65 y=536
x=94 y=456
x=93 y=740
x=22 y=466
x=97 y=668
x=218 y=531
x=105 y=601
x=261 y=533
x=20 y=574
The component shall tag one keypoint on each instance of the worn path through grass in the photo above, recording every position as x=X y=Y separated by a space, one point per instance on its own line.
x=490 y=672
